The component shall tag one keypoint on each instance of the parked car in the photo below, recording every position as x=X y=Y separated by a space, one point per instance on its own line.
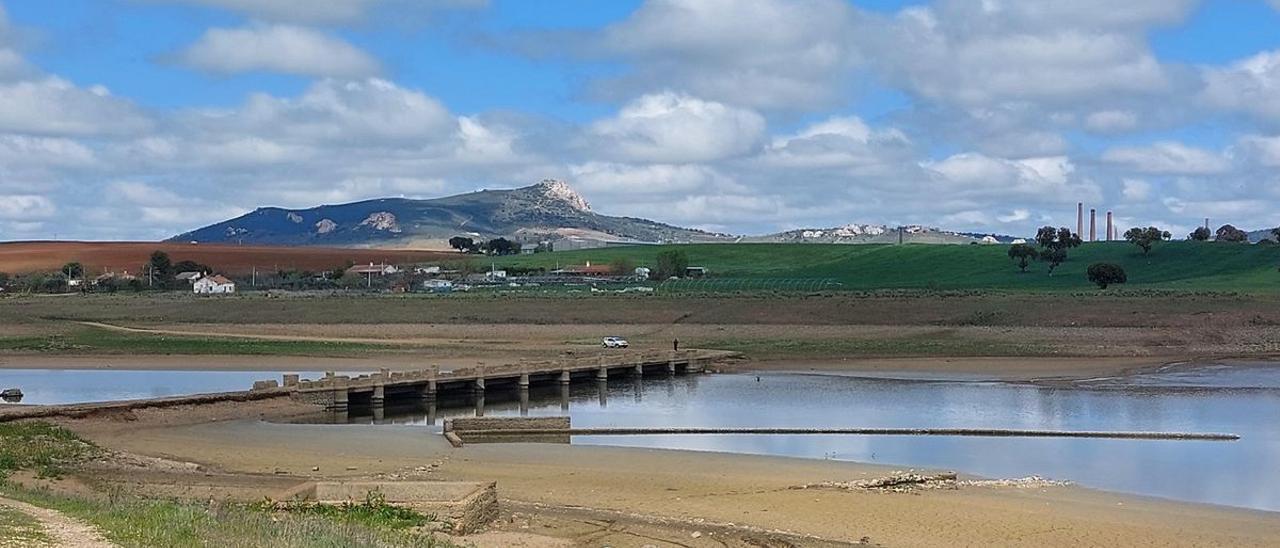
x=614 y=342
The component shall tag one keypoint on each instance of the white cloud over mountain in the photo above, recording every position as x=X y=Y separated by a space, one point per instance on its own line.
x=734 y=116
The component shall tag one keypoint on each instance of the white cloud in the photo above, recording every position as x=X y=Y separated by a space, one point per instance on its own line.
x=674 y=128
x=339 y=111
x=1111 y=121
x=840 y=142
x=627 y=179
x=773 y=54
x=277 y=48
x=1136 y=190
x=53 y=106
x=25 y=207
x=1260 y=150
x=1168 y=158
x=1251 y=85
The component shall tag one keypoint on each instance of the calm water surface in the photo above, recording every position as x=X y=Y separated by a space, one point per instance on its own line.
x=1235 y=398
x=50 y=386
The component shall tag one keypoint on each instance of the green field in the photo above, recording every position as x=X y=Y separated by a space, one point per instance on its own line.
x=1170 y=265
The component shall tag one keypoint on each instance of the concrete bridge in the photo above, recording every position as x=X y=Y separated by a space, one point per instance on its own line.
x=338 y=392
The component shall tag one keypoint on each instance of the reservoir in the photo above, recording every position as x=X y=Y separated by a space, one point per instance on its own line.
x=1232 y=398
x=1239 y=398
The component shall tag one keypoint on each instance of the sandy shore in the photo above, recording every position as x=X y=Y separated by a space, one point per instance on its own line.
x=684 y=491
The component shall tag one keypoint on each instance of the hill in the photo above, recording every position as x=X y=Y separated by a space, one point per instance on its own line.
x=1171 y=265
x=874 y=234
x=98 y=257
x=534 y=212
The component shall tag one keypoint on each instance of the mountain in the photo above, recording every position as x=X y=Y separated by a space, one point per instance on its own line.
x=544 y=210
x=875 y=234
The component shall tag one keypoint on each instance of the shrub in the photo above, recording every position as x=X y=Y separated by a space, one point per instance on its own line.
x=1105 y=274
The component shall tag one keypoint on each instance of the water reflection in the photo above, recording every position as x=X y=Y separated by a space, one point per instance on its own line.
x=1238 y=473
x=54 y=386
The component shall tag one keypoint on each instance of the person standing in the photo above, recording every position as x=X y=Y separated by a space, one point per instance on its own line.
x=675 y=344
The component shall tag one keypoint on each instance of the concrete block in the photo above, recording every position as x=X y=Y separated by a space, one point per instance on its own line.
x=466 y=507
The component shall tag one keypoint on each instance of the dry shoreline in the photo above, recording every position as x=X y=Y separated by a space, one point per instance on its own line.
x=687 y=491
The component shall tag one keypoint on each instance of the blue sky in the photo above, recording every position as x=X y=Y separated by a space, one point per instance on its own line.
x=139 y=119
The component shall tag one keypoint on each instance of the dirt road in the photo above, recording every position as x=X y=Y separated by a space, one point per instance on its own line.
x=56 y=529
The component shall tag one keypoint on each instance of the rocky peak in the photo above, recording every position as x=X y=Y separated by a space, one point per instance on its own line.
x=560 y=191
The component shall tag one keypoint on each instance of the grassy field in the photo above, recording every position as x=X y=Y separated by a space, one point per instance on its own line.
x=145 y=523
x=1170 y=265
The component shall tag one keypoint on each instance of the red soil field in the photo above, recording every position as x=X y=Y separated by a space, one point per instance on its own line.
x=99 y=257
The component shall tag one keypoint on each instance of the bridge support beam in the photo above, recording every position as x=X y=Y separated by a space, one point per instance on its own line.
x=565 y=377
x=602 y=374
x=639 y=370
x=478 y=386
x=524 y=381
x=379 y=395
x=340 y=395
x=671 y=368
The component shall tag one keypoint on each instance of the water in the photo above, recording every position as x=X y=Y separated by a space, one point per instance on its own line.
x=53 y=386
x=1230 y=398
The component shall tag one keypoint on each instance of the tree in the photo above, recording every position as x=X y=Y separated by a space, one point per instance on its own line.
x=1200 y=234
x=161 y=268
x=501 y=246
x=1146 y=237
x=1275 y=234
x=73 y=270
x=1228 y=233
x=463 y=244
x=1022 y=254
x=191 y=266
x=1105 y=274
x=1055 y=243
x=5 y=278
x=670 y=263
x=623 y=266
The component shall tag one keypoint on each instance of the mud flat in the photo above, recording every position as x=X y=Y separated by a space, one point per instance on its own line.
x=676 y=492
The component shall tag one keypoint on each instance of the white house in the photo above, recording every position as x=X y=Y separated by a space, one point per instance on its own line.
x=215 y=284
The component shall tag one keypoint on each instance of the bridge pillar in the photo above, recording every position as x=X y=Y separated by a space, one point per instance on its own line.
x=478 y=385
x=602 y=373
x=639 y=370
x=379 y=394
x=524 y=381
x=671 y=367
x=290 y=380
x=428 y=390
x=340 y=395
x=564 y=377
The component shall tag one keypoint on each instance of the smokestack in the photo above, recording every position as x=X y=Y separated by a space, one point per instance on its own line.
x=1079 y=218
x=1110 y=232
x=1093 y=225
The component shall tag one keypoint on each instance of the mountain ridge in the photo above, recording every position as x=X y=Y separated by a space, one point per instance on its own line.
x=537 y=211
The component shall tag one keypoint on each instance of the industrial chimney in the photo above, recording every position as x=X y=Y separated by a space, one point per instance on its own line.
x=1093 y=225
x=1110 y=233
x=1080 y=219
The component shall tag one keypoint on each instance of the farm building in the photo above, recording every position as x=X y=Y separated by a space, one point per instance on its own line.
x=379 y=269
x=189 y=277
x=211 y=285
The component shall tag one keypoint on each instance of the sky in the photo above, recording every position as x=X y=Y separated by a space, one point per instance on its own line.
x=141 y=119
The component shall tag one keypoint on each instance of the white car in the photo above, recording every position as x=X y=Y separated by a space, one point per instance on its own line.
x=614 y=342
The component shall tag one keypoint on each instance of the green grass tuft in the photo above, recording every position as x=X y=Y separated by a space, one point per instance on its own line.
x=46 y=448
